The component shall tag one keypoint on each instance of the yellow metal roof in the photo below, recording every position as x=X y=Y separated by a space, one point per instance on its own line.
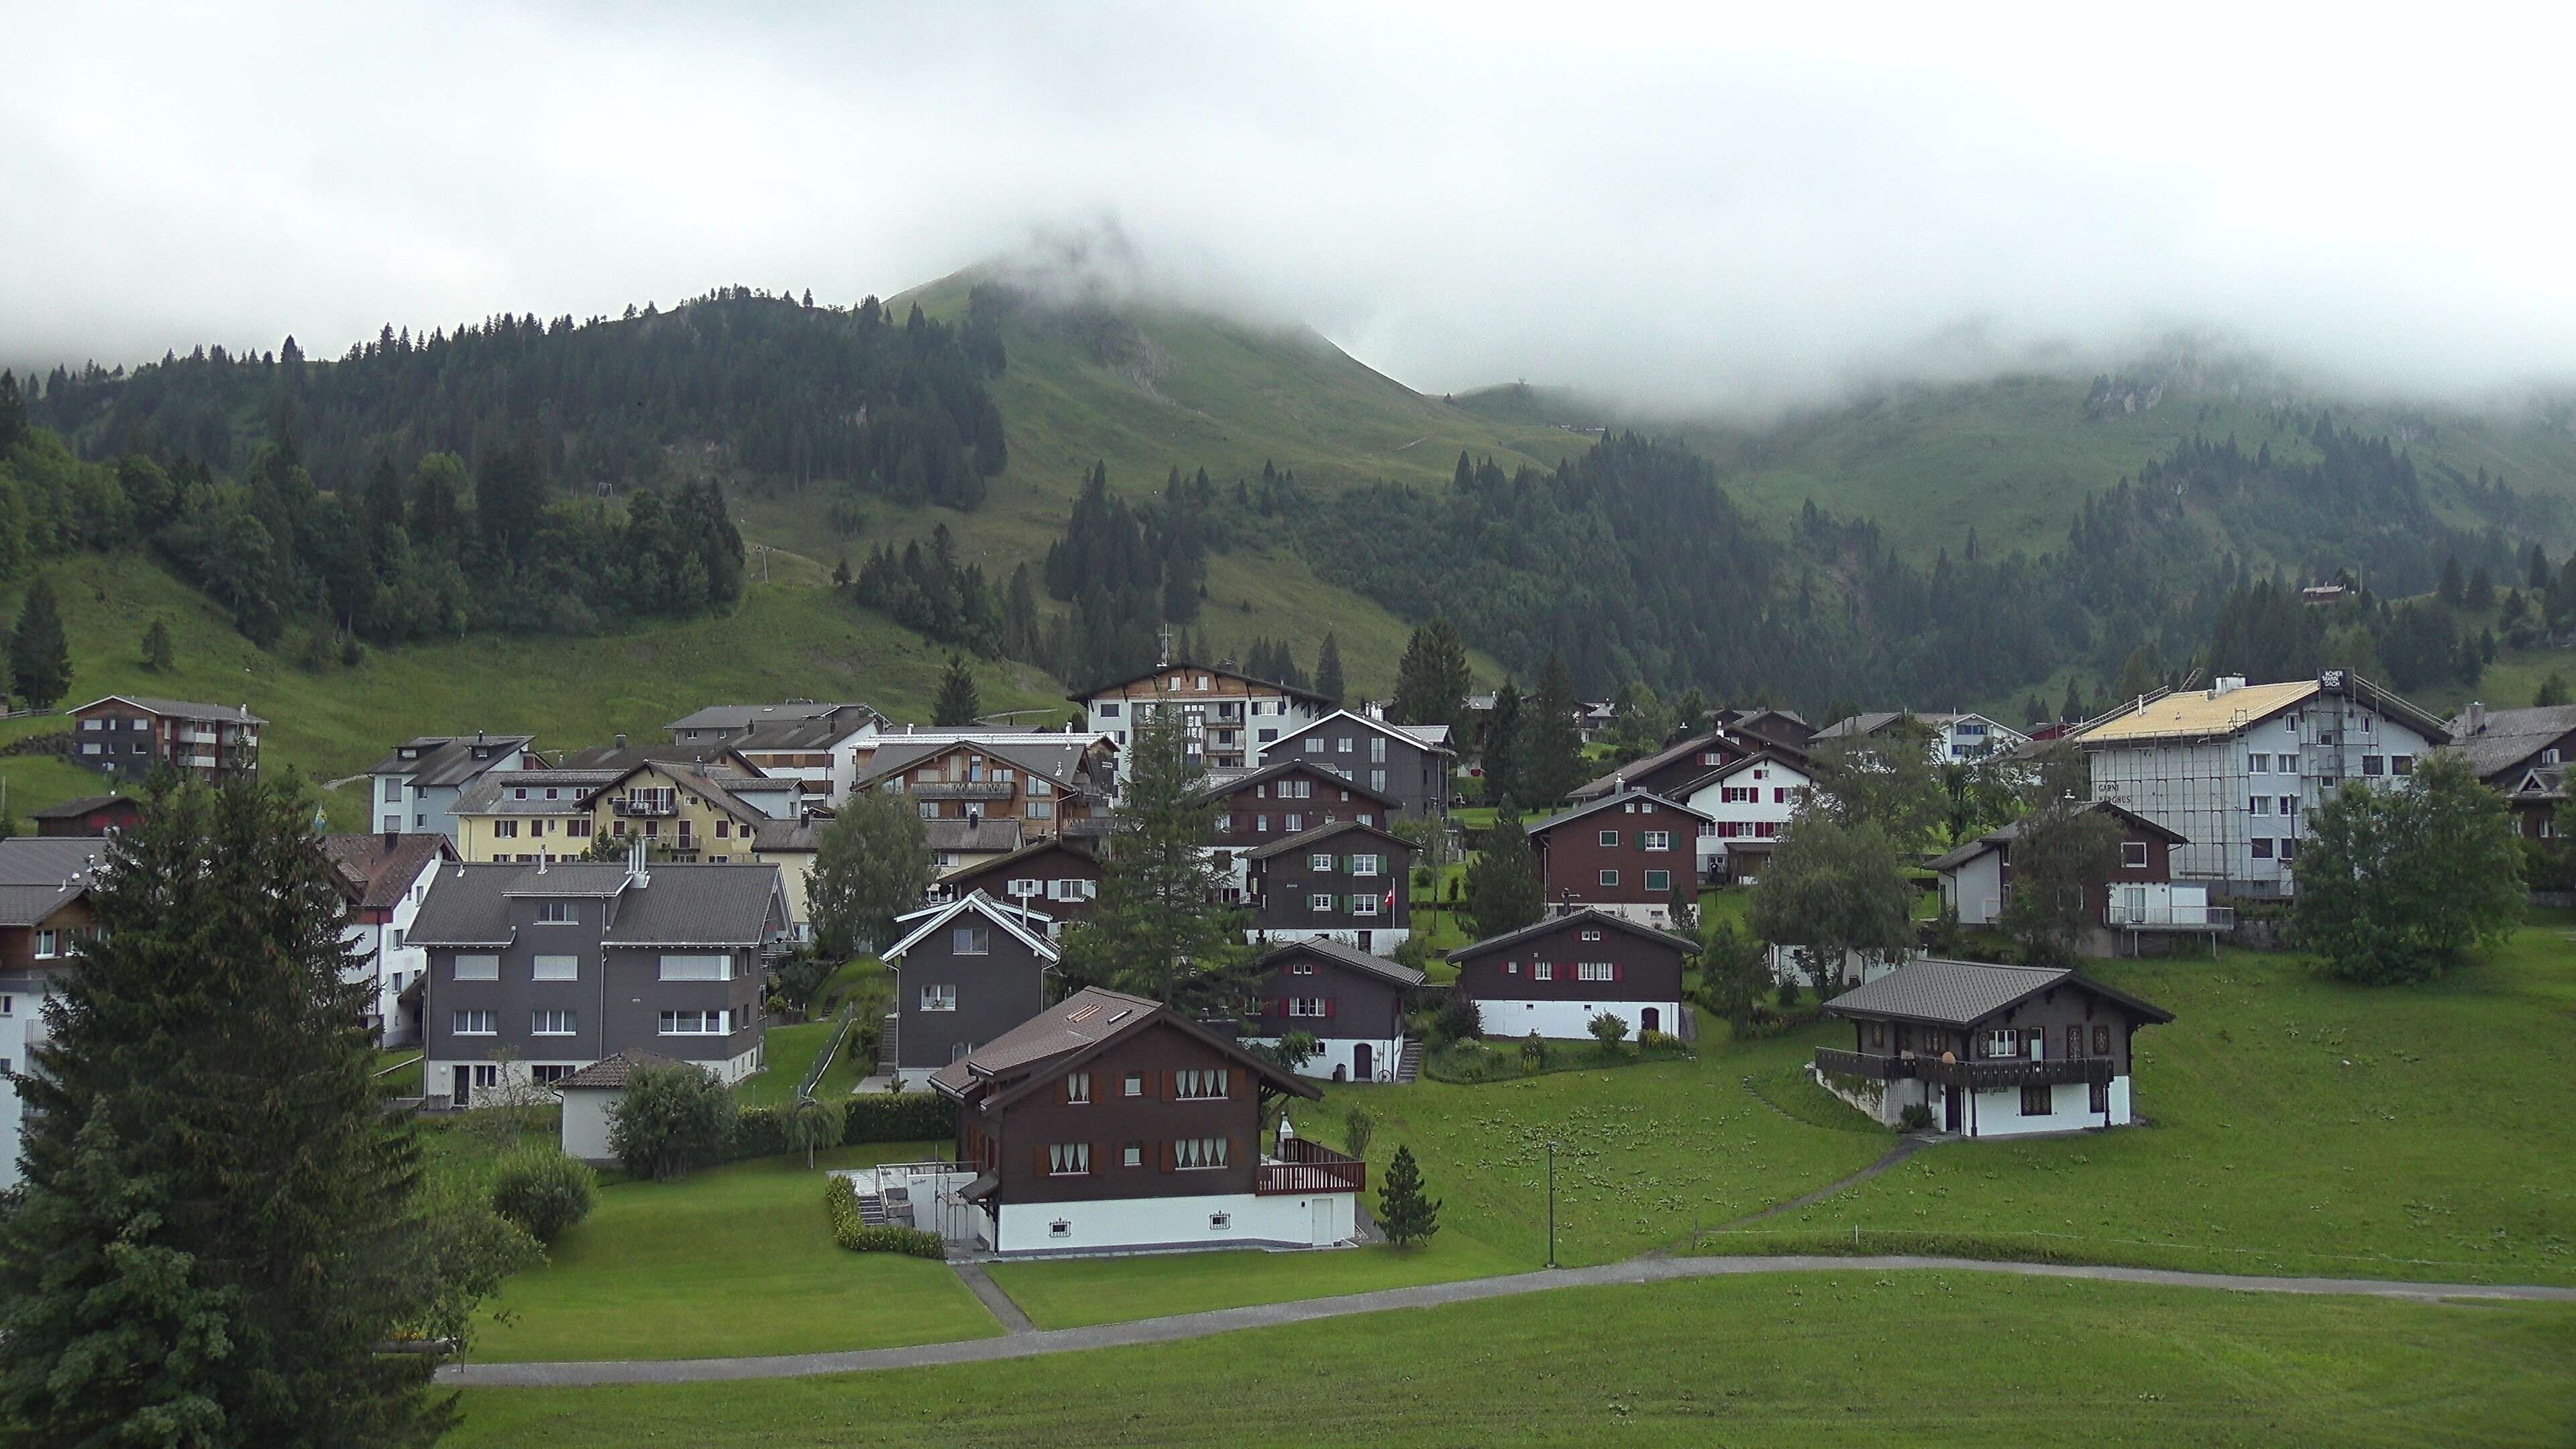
x=2193 y=712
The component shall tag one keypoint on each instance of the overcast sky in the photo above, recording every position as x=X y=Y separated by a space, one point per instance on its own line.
x=1690 y=207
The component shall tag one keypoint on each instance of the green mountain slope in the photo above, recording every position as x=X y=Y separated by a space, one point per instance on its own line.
x=789 y=639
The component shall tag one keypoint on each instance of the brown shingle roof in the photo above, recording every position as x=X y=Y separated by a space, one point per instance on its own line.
x=384 y=872
x=612 y=1072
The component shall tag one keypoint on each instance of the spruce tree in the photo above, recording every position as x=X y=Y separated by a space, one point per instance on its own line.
x=158 y=653
x=2072 y=708
x=13 y=413
x=1431 y=681
x=957 y=702
x=1403 y=1212
x=217 y=1225
x=1551 y=738
x=1502 y=744
x=1328 y=669
x=1158 y=928
x=40 y=657
x=1503 y=888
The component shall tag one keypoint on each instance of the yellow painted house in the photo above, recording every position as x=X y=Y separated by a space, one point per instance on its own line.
x=544 y=815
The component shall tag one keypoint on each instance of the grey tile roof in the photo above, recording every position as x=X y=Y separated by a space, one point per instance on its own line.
x=973 y=837
x=184 y=708
x=611 y=1072
x=499 y=794
x=2510 y=737
x=715 y=905
x=802 y=734
x=1350 y=956
x=1226 y=782
x=444 y=760
x=712 y=754
x=745 y=716
x=1590 y=916
x=1963 y=993
x=1605 y=802
x=1858 y=725
x=48 y=860
x=28 y=905
x=1320 y=833
x=1062 y=763
x=1602 y=784
x=788 y=835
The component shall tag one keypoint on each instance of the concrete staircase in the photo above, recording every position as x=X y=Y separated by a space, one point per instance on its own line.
x=1408 y=1067
x=887 y=1043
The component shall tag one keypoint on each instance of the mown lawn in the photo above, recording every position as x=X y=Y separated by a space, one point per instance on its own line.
x=1077 y=1292
x=791 y=1056
x=1816 y=1361
x=732 y=1260
x=2298 y=1127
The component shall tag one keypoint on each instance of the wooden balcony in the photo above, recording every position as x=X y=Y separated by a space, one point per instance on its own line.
x=1308 y=1168
x=1981 y=1074
x=645 y=807
x=962 y=790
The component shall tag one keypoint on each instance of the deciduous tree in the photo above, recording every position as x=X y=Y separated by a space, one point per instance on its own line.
x=871 y=865
x=2404 y=884
x=2062 y=853
x=1833 y=889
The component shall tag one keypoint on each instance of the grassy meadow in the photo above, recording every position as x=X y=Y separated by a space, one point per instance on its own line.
x=1858 y=1358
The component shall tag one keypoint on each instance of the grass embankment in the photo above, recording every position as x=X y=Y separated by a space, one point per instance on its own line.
x=791 y=1055
x=732 y=1260
x=1857 y=1358
x=2298 y=1127
x=789 y=638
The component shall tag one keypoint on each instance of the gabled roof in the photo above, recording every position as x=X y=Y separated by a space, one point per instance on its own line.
x=612 y=1072
x=1318 y=835
x=1605 y=802
x=2541 y=782
x=1766 y=755
x=788 y=837
x=1031 y=851
x=2010 y=831
x=2213 y=713
x=498 y=794
x=973 y=837
x=384 y=867
x=1227 y=782
x=2508 y=738
x=1347 y=956
x=40 y=874
x=1060 y=760
x=75 y=809
x=1009 y=918
x=698 y=781
x=747 y=716
x=1963 y=993
x=1078 y=1028
x=1418 y=736
x=438 y=761
x=805 y=734
x=1604 y=784
x=179 y=708
x=704 y=754
x=1215 y=671
x=719 y=906
x=1588 y=916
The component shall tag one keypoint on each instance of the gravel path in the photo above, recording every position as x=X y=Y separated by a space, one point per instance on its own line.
x=1227 y=1320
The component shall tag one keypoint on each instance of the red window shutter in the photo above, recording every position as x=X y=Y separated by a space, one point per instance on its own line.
x=1618 y=971
x=1170 y=1161
x=1332 y=1006
x=1040 y=1158
x=1172 y=1085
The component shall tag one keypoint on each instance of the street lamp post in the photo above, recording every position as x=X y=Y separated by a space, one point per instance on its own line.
x=1551 y=1202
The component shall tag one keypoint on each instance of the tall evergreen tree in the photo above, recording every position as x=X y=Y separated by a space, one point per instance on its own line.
x=1551 y=738
x=158 y=654
x=1431 y=682
x=40 y=656
x=1503 y=889
x=218 y=1221
x=1159 y=928
x=957 y=702
x=1502 y=747
x=1402 y=1210
x=1328 y=669
x=13 y=413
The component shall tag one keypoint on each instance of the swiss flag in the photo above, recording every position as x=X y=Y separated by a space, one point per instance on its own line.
x=1389 y=905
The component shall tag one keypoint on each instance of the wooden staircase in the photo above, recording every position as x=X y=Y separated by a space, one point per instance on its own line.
x=1408 y=1066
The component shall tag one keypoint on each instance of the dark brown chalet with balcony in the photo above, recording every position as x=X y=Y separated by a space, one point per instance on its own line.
x=1059 y=879
x=1350 y=1002
x=1554 y=976
x=2523 y=754
x=1624 y=853
x=1986 y=1050
x=1046 y=790
x=1109 y=1122
x=1288 y=798
x=1347 y=882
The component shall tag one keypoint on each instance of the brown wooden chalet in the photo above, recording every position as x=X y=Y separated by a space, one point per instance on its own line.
x=1283 y=799
x=1666 y=771
x=1350 y=1001
x=1554 y=976
x=1624 y=853
x=1059 y=878
x=1348 y=881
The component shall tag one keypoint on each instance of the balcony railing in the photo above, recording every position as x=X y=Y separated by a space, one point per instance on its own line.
x=1979 y=1074
x=1308 y=1167
x=645 y=806
x=1089 y=826
x=962 y=790
x=2153 y=916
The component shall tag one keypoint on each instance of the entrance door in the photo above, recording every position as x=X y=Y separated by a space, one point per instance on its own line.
x=1649 y=1020
x=1322 y=1231
x=1950 y=1109
x=464 y=1091
x=1363 y=1063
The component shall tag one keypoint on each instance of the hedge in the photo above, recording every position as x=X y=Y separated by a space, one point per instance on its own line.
x=841 y=1201
x=915 y=1116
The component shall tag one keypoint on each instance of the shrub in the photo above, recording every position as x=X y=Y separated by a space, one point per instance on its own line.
x=1658 y=1041
x=841 y=1202
x=1357 y=1128
x=1466 y=1061
x=1609 y=1028
x=813 y=1122
x=897 y=1117
x=759 y=1132
x=1533 y=1053
x=1915 y=1118
x=1455 y=1019
x=671 y=1119
x=543 y=1191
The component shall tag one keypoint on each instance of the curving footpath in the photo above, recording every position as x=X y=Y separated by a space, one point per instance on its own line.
x=1429 y=1295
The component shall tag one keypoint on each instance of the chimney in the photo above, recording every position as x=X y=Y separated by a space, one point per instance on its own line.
x=391 y=838
x=621 y=742
x=2226 y=684
x=636 y=873
x=478 y=735
x=2477 y=715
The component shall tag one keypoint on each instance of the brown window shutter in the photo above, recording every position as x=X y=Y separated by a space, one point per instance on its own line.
x=1170 y=1160
x=1039 y=1154
x=1172 y=1086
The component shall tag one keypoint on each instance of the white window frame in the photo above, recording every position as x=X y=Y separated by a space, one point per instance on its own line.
x=698 y=966
x=555 y=968
x=713 y=1021
x=474 y=1021
x=938 y=996
x=475 y=968
x=554 y=1021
